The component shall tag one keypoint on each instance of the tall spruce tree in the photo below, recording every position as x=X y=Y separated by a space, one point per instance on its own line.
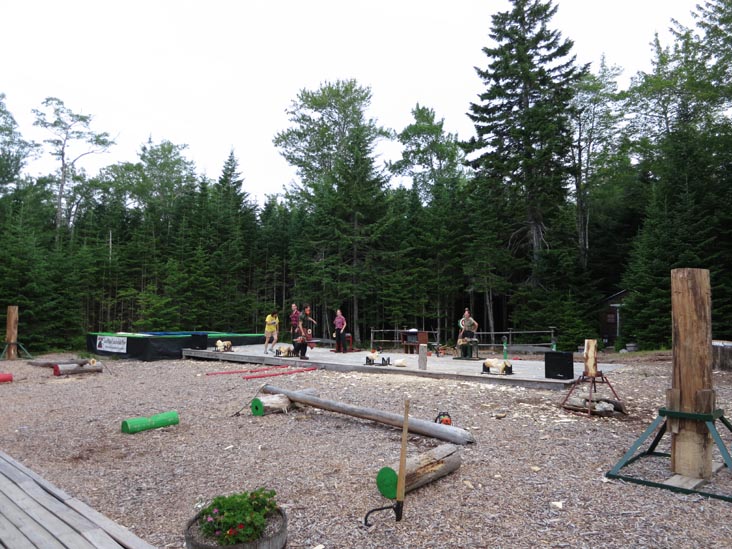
x=521 y=153
x=524 y=136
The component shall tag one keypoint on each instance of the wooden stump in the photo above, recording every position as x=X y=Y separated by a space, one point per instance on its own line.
x=691 y=389
x=420 y=470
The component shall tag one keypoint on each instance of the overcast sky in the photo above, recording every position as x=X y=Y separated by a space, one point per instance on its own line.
x=218 y=75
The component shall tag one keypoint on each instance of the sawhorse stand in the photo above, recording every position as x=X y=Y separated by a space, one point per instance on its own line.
x=17 y=345
x=663 y=414
x=592 y=380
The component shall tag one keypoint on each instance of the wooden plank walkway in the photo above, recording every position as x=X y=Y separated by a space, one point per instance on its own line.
x=35 y=514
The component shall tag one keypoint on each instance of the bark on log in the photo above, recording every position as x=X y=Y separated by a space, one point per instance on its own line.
x=447 y=433
x=73 y=368
x=420 y=470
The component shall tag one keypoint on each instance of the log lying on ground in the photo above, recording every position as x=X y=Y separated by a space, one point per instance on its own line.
x=136 y=424
x=74 y=368
x=268 y=404
x=447 y=433
x=420 y=470
x=51 y=364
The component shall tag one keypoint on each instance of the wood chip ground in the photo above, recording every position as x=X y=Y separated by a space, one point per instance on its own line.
x=534 y=477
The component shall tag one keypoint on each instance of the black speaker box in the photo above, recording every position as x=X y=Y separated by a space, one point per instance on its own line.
x=558 y=365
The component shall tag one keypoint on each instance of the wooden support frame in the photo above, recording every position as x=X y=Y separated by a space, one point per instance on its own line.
x=664 y=418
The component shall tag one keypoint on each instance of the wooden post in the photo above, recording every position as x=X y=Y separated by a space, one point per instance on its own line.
x=590 y=356
x=422 y=360
x=691 y=390
x=11 y=334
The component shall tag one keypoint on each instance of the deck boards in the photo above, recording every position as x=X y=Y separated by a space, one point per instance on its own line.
x=36 y=514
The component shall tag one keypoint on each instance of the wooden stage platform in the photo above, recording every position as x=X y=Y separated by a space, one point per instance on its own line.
x=527 y=373
x=35 y=514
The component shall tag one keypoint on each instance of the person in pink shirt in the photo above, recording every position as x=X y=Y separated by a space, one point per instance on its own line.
x=340 y=332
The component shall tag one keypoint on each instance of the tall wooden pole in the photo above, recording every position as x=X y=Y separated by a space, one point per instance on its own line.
x=691 y=390
x=11 y=334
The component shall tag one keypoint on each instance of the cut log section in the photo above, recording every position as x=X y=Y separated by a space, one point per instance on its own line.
x=267 y=404
x=447 y=433
x=420 y=470
x=74 y=368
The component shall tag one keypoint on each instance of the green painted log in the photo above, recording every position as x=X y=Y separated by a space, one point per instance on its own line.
x=421 y=470
x=267 y=404
x=137 y=424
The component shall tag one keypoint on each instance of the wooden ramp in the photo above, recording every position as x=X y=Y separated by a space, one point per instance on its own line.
x=36 y=514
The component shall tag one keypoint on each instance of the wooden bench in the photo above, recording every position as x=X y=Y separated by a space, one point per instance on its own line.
x=35 y=514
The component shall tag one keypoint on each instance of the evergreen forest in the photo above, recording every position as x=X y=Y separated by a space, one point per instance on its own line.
x=571 y=190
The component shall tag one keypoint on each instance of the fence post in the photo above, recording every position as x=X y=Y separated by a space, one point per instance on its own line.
x=11 y=333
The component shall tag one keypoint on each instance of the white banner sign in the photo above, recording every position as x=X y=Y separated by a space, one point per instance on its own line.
x=112 y=344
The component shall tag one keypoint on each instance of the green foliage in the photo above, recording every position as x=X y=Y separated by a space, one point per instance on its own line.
x=524 y=136
x=237 y=518
x=552 y=206
x=14 y=150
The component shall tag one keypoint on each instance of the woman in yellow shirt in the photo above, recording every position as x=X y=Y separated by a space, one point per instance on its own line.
x=271 y=327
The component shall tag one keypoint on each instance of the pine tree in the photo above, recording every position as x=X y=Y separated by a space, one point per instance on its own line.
x=522 y=124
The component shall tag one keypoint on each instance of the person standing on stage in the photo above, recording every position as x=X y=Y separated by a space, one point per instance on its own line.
x=469 y=326
x=340 y=332
x=300 y=341
x=294 y=321
x=271 y=327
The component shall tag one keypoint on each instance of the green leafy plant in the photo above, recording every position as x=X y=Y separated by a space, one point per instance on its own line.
x=237 y=518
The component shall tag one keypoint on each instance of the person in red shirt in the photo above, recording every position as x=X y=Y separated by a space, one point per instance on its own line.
x=294 y=321
x=340 y=332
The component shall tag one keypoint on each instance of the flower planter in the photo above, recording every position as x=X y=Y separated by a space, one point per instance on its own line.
x=275 y=536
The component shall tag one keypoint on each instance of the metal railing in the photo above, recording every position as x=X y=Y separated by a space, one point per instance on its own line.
x=511 y=340
x=396 y=339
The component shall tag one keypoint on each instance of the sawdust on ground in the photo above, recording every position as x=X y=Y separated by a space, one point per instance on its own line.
x=534 y=477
